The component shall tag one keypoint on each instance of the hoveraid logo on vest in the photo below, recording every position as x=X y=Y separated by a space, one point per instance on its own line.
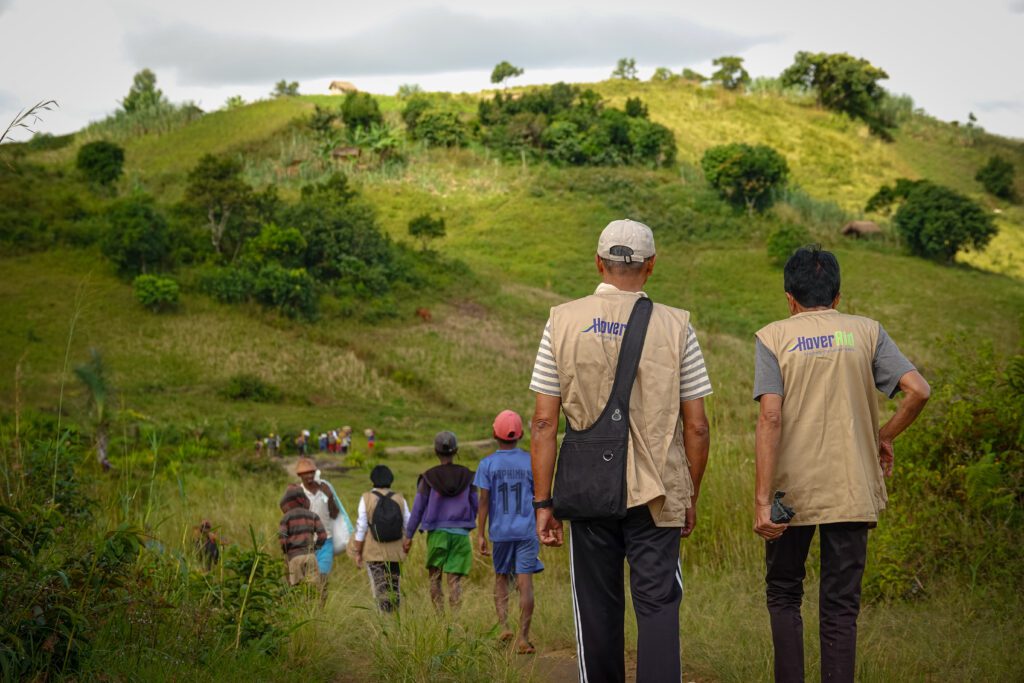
x=840 y=341
x=601 y=326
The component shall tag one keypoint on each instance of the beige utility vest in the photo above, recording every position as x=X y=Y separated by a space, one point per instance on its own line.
x=828 y=456
x=373 y=550
x=585 y=338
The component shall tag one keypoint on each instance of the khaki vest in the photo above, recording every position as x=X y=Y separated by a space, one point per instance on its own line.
x=585 y=339
x=828 y=456
x=373 y=551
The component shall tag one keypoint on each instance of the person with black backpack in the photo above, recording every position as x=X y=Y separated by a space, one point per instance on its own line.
x=383 y=514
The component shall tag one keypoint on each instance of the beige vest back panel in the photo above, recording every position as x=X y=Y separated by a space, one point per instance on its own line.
x=828 y=456
x=585 y=338
x=381 y=552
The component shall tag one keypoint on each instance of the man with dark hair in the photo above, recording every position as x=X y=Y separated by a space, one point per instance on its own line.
x=667 y=451
x=818 y=442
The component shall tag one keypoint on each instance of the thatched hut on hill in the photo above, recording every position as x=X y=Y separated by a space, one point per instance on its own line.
x=342 y=88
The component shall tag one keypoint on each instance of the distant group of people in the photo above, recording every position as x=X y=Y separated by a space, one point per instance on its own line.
x=630 y=378
x=450 y=502
x=336 y=441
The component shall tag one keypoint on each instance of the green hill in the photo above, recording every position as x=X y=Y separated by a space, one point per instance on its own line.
x=520 y=239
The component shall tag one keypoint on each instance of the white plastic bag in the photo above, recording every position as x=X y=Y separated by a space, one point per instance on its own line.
x=341 y=526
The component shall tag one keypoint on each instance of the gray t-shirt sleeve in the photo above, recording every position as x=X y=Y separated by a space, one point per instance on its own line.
x=767 y=373
x=889 y=365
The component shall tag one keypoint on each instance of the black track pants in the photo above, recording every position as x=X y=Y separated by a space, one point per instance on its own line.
x=597 y=549
x=843 y=549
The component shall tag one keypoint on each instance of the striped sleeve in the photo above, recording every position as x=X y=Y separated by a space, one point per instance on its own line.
x=694 y=382
x=545 y=372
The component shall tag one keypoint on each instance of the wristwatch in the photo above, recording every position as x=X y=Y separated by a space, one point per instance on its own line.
x=546 y=503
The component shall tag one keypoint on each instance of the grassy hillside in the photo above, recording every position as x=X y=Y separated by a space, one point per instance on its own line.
x=520 y=239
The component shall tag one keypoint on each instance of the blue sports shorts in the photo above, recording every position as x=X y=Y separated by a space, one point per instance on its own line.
x=517 y=557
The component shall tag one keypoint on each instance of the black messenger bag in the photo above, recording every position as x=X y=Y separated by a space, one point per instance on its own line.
x=590 y=482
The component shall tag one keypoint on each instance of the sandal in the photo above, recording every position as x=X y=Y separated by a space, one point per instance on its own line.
x=525 y=649
x=506 y=636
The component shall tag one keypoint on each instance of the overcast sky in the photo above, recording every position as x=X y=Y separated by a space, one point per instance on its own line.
x=951 y=56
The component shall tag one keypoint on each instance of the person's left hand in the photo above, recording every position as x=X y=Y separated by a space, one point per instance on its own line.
x=691 y=521
x=406 y=544
x=549 y=529
x=886 y=456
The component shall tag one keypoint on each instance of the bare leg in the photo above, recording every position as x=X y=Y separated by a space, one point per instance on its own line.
x=501 y=605
x=454 y=590
x=524 y=582
x=436 y=593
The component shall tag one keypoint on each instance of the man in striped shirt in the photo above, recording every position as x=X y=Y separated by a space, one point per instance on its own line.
x=668 y=450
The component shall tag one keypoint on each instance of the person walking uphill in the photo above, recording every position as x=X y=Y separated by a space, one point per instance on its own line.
x=504 y=484
x=445 y=508
x=301 y=534
x=819 y=444
x=629 y=376
x=380 y=528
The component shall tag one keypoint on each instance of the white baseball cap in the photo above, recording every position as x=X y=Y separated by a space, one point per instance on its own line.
x=626 y=240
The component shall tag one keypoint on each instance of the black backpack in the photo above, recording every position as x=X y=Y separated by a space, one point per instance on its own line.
x=387 y=522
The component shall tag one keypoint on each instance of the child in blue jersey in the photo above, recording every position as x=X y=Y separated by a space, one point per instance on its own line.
x=504 y=483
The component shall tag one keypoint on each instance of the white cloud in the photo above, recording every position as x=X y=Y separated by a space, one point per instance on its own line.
x=1002 y=105
x=1017 y=6
x=432 y=41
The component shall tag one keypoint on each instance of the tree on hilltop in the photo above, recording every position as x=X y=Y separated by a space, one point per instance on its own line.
x=842 y=83
x=691 y=75
x=504 y=71
x=731 y=73
x=143 y=93
x=625 y=69
x=662 y=74
x=285 y=89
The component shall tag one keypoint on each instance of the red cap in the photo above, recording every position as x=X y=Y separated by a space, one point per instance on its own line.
x=508 y=426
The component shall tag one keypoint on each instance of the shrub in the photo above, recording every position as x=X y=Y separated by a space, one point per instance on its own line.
x=101 y=162
x=425 y=228
x=440 y=129
x=246 y=386
x=997 y=177
x=156 y=293
x=290 y=290
x=960 y=474
x=937 y=222
x=227 y=285
x=137 y=237
x=784 y=241
x=745 y=175
x=360 y=110
x=286 y=246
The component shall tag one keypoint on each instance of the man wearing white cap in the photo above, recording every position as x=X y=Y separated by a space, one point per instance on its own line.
x=667 y=452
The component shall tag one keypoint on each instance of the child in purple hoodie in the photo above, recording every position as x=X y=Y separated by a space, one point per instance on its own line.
x=445 y=507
